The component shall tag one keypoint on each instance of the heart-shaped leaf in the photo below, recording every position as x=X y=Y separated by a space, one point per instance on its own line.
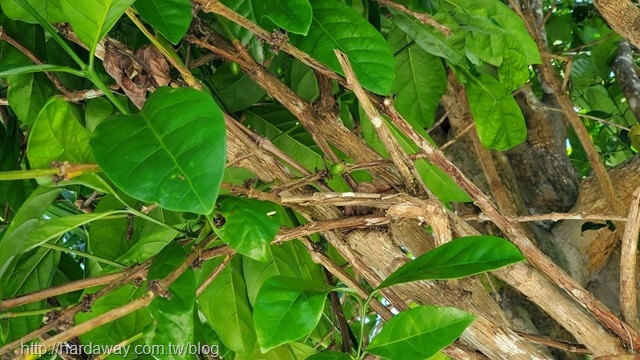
x=458 y=258
x=171 y=153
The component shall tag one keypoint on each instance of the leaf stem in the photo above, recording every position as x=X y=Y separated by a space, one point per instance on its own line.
x=168 y=53
x=52 y=31
x=9 y=315
x=83 y=254
x=91 y=74
x=28 y=174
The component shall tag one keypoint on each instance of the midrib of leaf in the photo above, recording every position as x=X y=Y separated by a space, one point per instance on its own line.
x=415 y=80
x=177 y=165
x=45 y=253
x=155 y=4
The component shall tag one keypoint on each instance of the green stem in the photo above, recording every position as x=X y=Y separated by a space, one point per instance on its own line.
x=90 y=74
x=83 y=254
x=52 y=31
x=28 y=174
x=135 y=212
x=9 y=315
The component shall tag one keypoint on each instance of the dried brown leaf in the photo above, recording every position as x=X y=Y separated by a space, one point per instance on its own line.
x=126 y=71
x=157 y=64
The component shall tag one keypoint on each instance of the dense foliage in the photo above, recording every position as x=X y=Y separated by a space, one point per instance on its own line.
x=267 y=178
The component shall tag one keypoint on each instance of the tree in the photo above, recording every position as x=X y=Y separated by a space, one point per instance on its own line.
x=319 y=179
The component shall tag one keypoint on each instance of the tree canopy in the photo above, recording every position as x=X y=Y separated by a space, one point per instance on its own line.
x=319 y=179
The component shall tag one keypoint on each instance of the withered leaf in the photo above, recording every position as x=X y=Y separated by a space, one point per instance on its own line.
x=126 y=71
x=157 y=65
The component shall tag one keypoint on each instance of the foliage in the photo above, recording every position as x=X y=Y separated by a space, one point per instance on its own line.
x=95 y=186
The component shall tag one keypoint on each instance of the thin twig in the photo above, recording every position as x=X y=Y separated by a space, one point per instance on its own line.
x=422 y=17
x=628 y=253
x=54 y=79
x=397 y=154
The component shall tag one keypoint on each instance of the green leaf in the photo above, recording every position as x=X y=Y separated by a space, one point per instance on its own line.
x=92 y=20
x=227 y=292
x=330 y=355
x=173 y=318
x=170 y=17
x=289 y=259
x=483 y=37
x=95 y=111
x=236 y=92
x=287 y=309
x=114 y=332
x=458 y=258
x=13 y=69
x=291 y=15
x=49 y=9
x=28 y=93
x=419 y=333
x=436 y=180
x=337 y=26
x=250 y=225
x=498 y=117
x=58 y=135
x=11 y=244
x=420 y=80
x=303 y=80
x=172 y=152
x=34 y=272
x=514 y=70
x=431 y=40
x=510 y=23
x=248 y=10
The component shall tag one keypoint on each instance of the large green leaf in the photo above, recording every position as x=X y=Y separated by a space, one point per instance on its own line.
x=498 y=117
x=116 y=331
x=49 y=9
x=172 y=152
x=510 y=23
x=458 y=258
x=58 y=135
x=432 y=40
x=419 y=333
x=173 y=318
x=225 y=305
x=420 y=80
x=251 y=10
x=287 y=309
x=514 y=70
x=337 y=26
x=11 y=244
x=92 y=20
x=291 y=15
x=28 y=93
x=170 y=17
x=236 y=92
x=289 y=259
x=250 y=225
x=34 y=272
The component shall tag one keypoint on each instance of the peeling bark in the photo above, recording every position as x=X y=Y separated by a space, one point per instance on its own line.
x=627 y=77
